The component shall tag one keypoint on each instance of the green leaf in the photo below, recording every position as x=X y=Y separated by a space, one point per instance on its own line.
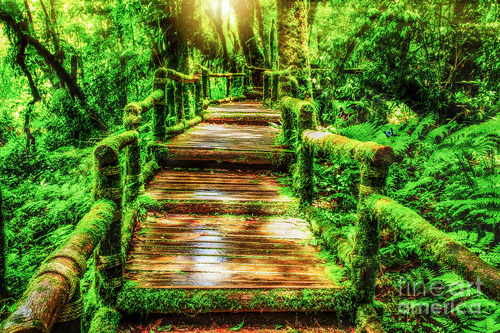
x=237 y=327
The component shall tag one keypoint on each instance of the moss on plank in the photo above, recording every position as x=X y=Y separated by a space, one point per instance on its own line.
x=133 y=300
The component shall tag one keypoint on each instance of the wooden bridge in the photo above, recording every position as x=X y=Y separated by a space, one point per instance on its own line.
x=207 y=223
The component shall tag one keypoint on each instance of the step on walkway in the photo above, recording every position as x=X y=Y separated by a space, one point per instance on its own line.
x=190 y=242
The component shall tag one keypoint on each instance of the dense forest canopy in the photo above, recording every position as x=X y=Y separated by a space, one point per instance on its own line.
x=420 y=76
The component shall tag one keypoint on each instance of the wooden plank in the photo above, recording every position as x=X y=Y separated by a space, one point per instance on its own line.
x=154 y=259
x=158 y=195
x=243 y=229
x=305 y=252
x=152 y=233
x=223 y=246
x=205 y=237
x=229 y=276
x=223 y=267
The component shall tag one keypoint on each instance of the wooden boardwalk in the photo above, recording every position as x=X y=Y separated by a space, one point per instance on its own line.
x=176 y=249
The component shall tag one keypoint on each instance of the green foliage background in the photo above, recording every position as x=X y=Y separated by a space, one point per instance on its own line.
x=428 y=70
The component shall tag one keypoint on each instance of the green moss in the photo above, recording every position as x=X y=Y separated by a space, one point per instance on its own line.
x=134 y=300
x=286 y=208
x=367 y=319
x=181 y=127
x=436 y=243
x=364 y=152
x=149 y=170
x=105 y=320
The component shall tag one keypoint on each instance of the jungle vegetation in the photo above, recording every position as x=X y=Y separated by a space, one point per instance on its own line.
x=420 y=76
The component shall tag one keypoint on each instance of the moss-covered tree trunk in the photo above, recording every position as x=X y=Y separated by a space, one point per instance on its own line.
x=292 y=46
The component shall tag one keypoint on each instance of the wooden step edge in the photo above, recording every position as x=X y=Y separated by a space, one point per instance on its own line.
x=135 y=300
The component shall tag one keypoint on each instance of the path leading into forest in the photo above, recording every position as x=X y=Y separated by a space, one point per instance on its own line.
x=226 y=225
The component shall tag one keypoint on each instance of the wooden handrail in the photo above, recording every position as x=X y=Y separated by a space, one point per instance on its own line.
x=57 y=279
x=56 y=284
x=375 y=160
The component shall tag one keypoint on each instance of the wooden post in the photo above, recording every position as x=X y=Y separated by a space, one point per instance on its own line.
x=133 y=183
x=53 y=292
x=365 y=260
x=205 y=82
x=159 y=113
x=179 y=101
x=228 y=86
x=266 y=88
x=275 y=88
x=246 y=84
x=198 y=99
x=108 y=185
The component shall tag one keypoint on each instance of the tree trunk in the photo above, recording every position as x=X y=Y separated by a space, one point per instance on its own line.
x=245 y=17
x=30 y=139
x=292 y=45
x=258 y=12
x=230 y=65
x=21 y=30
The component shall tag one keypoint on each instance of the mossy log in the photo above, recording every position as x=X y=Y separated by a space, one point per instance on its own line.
x=58 y=277
x=105 y=320
x=141 y=107
x=179 y=128
x=177 y=76
x=227 y=100
x=334 y=240
x=106 y=152
x=149 y=170
x=444 y=249
x=364 y=152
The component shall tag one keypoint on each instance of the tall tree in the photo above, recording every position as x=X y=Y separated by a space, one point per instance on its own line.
x=292 y=43
x=20 y=27
x=245 y=13
x=217 y=22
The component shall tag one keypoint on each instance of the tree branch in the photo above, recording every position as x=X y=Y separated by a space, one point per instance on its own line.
x=21 y=29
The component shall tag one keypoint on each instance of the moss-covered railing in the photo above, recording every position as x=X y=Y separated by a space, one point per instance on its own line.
x=52 y=300
x=374 y=209
x=176 y=97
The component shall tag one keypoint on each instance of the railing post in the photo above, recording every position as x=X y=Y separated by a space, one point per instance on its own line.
x=198 y=99
x=266 y=87
x=109 y=261
x=228 y=86
x=275 y=88
x=179 y=101
x=365 y=259
x=303 y=114
x=159 y=113
x=133 y=184
x=205 y=80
